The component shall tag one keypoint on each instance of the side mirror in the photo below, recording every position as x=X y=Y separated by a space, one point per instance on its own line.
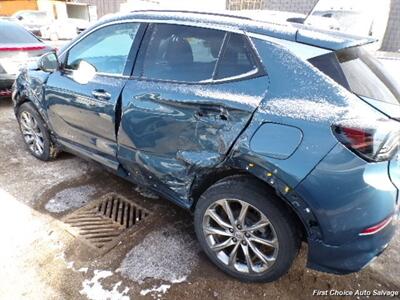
x=49 y=62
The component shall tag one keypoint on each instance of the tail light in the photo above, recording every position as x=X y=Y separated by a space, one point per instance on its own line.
x=27 y=48
x=376 y=228
x=376 y=143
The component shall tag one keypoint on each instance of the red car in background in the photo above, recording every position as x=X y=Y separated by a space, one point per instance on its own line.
x=18 y=47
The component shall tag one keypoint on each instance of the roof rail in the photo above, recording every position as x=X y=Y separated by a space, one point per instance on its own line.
x=193 y=12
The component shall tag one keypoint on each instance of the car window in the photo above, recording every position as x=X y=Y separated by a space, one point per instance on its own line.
x=182 y=53
x=237 y=58
x=14 y=34
x=359 y=72
x=107 y=49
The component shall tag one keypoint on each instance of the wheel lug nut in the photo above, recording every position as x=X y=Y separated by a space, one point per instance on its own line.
x=247 y=235
x=239 y=227
x=234 y=240
x=230 y=229
x=244 y=243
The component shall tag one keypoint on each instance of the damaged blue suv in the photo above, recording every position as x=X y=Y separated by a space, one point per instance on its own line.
x=271 y=134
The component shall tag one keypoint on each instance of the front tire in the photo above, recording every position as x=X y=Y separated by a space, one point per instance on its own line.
x=245 y=231
x=35 y=133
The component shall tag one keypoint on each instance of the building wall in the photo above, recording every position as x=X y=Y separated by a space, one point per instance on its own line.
x=299 y=6
x=9 y=7
x=391 y=41
x=104 y=7
x=246 y=4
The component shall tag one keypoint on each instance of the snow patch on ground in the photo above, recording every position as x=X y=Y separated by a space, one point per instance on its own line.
x=156 y=291
x=70 y=198
x=94 y=290
x=168 y=254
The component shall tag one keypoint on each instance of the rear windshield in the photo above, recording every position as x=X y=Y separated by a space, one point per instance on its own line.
x=359 y=72
x=14 y=34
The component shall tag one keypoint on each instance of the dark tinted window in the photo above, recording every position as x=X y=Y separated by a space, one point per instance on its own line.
x=182 y=53
x=329 y=64
x=15 y=34
x=237 y=58
x=361 y=73
x=107 y=49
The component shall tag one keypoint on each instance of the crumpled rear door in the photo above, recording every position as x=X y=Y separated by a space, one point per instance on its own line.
x=170 y=133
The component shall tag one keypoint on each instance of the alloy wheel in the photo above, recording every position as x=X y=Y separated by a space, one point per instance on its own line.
x=32 y=133
x=240 y=236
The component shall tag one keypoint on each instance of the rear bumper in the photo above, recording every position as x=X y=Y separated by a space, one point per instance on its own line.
x=348 y=195
x=350 y=257
x=6 y=81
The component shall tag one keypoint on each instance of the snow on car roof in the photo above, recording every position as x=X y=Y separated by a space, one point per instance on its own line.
x=234 y=21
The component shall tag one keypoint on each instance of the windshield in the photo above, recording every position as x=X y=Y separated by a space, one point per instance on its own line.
x=359 y=72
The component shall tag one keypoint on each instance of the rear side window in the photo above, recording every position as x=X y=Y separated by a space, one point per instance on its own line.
x=182 y=53
x=14 y=34
x=237 y=58
x=359 y=72
x=107 y=49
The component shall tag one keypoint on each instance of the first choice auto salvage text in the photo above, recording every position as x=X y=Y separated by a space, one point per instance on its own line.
x=356 y=293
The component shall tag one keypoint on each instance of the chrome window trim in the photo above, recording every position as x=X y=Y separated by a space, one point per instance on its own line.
x=186 y=23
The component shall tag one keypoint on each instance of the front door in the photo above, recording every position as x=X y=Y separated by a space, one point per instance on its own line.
x=83 y=96
x=180 y=112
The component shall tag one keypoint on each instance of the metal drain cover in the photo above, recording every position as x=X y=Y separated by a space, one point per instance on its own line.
x=102 y=222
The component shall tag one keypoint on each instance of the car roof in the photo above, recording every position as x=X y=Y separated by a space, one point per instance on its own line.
x=5 y=22
x=230 y=21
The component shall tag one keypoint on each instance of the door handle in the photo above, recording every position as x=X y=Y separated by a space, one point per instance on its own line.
x=101 y=94
x=211 y=111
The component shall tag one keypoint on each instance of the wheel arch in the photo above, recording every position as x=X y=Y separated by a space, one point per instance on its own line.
x=212 y=178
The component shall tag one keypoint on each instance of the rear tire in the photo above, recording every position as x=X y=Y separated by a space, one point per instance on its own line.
x=233 y=243
x=35 y=133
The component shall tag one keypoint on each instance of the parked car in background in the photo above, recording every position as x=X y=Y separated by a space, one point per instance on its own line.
x=357 y=17
x=63 y=29
x=32 y=20
x=2 y=18
x=271 y=134
x=18 y=47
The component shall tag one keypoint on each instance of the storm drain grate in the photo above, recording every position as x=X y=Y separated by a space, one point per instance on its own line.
x=102 y=222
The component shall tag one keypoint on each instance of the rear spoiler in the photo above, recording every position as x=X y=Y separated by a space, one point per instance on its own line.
x=330 y=40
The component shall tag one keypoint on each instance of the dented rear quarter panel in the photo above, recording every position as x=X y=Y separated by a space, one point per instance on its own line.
x=303 y=97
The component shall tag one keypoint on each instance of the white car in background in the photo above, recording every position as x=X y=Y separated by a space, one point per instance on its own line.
x=63 y=29
x=357 y=17
x=32 y=20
